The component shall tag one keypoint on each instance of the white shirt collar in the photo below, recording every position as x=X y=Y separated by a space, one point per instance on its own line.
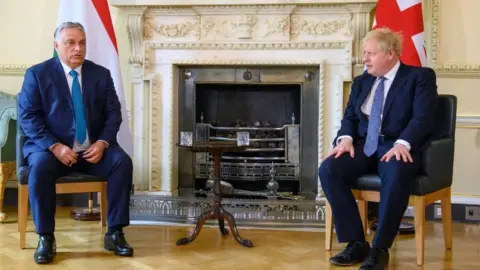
x=67 y=69
x=391 y=74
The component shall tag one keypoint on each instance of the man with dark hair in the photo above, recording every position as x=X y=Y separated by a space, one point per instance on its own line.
x=70 y=112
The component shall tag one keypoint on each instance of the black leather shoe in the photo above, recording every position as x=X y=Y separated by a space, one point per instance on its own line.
x=355 y=252
x=376 y=260
x=46 y=250
x=117 y=243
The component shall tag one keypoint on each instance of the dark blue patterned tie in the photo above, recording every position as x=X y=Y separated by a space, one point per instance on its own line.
x=80 y=122
x=375 y=119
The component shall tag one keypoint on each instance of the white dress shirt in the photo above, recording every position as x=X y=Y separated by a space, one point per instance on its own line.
x=366 y=107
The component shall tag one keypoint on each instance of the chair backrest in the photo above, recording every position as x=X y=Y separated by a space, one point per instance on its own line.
x=446 y=117
x=20 y=141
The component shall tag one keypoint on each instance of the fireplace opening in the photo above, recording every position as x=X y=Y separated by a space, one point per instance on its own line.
x=248 y=105
x=276 y=106
x=271 y=114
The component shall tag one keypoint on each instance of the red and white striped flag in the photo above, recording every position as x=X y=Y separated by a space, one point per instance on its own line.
x=404 y=16
x=102 y=49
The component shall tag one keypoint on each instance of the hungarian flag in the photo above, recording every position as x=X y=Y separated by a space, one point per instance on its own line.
x=404 y=16
x=102 y=49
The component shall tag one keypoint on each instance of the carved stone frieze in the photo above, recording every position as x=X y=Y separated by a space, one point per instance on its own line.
x=241 y=27
x=245 y=9
x=318 y=27
x=207 y=26
x=255 y=22
x=173 y=30
x=278 y=25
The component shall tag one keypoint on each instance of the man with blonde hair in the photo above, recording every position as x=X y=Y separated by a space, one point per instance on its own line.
x=388 y=122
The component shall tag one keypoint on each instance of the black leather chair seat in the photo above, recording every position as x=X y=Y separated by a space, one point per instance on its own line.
x=22 y=174
x=436 y=172
x=421 y=186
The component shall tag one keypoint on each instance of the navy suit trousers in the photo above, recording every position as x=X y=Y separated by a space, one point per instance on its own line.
x=44 y=169
x=336 y=177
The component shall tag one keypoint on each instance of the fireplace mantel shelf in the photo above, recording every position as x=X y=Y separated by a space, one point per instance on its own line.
x=228 y=2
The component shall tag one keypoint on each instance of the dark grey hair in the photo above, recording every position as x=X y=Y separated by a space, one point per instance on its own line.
x=65 y=25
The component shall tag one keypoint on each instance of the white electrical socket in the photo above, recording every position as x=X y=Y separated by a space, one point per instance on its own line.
x=437 y=211
x=472 y=213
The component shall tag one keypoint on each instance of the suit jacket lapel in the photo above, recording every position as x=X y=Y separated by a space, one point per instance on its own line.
x=88 y=85
x=366 y=88
x=61 y=83
x=398 y=82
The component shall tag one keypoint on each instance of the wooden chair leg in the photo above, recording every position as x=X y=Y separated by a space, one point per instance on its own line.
x=419 y=217
x=22 y=214
x=3 y=183
x=103 y=205
x=447 y=220
x=328 y=226
x=363 y=210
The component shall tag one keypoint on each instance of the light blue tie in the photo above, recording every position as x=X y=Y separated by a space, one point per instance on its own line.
x=78 y=109
x=375 y=120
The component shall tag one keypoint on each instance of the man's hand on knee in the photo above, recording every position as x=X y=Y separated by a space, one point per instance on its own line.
x=345 y=146
x=399 y=151
x=95 y=152
x=64 y=154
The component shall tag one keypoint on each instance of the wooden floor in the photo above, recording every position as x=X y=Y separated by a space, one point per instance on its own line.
x=80 y=246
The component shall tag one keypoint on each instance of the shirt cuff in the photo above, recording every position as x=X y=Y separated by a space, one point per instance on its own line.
x=50 y=148
x=107 y=145
x=343 y=137
x=407 y=144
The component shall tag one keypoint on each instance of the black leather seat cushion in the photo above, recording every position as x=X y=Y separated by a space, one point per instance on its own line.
x=421 y=185
x=75 y=177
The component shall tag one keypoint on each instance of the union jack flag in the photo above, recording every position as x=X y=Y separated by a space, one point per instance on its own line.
x=405 y=17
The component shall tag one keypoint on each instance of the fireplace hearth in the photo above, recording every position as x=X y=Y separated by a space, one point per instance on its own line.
x=278 y=111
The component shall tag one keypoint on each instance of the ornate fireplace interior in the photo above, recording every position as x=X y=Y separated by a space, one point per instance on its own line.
x=279 y=116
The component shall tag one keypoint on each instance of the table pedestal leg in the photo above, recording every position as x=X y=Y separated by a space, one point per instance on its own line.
x=218 y=212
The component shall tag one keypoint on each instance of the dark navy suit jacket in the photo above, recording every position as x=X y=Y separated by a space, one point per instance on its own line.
x=46 y=108
x=408 y=113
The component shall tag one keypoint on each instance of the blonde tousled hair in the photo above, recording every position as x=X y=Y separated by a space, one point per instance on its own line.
x=387 y=39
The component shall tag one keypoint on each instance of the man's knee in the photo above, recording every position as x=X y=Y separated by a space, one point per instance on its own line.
x=42 y=164
x=121 y=159
x=326 y=169
x=398 y=172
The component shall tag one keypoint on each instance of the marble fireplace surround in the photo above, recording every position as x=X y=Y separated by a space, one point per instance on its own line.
x=166 y=35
